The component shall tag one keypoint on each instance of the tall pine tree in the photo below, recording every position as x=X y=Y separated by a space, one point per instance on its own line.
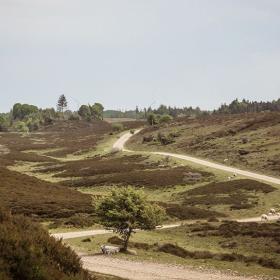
x=61 y=103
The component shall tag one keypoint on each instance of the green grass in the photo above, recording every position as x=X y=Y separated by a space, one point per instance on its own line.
x=246 y=245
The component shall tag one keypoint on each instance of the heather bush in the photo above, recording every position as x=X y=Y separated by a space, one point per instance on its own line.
x=27 y=252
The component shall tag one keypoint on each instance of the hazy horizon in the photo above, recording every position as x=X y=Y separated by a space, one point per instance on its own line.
x=127 y=53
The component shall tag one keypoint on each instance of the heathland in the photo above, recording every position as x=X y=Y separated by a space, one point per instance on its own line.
x=58 y=173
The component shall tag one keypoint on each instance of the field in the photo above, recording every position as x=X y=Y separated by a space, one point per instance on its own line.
x=58 y=174
x=76 y=157
x=250 y=141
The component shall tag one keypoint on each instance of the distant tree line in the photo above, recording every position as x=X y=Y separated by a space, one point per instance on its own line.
x=246 y=106
x=26 y=117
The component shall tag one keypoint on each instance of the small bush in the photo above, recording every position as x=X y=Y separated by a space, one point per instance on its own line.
x=165 y=140
x=80 y=220
x=147 y=139
x=117 y=127
x=165 y=118
x=21 y=127
x=86 y=240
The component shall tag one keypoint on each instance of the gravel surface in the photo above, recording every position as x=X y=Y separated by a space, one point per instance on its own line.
x=152 y=271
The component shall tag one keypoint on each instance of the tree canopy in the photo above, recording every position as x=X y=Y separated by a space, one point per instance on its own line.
x=94 y=111
x=126 y=209
x=20 y=111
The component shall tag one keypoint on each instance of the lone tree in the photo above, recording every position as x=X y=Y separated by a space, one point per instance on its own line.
x=125 y=210
x=61 y=103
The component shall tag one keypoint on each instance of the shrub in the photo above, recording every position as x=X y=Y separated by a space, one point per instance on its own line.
x=27 y=252
x=147 y=139
x=165 y=118
x=117 y=127
x=165 y=140
x=21 y=127
x=152 y=119
x=181 y=252
x=3 y=124
x=74 y=117
x=80 y=220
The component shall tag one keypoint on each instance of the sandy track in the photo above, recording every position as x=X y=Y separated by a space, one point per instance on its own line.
x=135 y=270
x=222 y=167
x=76 y=234
x=122 y=141
x=85 y=233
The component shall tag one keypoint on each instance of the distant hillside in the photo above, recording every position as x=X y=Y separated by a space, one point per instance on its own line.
x=251 y=141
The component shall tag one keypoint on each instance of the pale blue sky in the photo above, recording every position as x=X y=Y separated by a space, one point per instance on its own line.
x=125 y=53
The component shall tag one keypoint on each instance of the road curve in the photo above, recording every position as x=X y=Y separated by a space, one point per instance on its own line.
x=123 y=140
x=120 y=143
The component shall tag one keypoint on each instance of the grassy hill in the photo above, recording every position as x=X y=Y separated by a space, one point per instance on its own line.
x=250 y=141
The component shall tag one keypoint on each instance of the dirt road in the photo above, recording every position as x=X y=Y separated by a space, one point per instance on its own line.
x=76 y=234
x=232 y=170
x=120 y=144
x=135 y=270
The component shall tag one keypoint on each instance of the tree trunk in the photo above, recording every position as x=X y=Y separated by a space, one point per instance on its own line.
x=127 y=239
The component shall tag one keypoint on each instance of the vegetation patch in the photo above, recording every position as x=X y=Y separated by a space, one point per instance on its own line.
x=167 y=177
x=232 y=187
x=30 y=196
x=239 y=194
x=28 y=252
x=183 y=253
x=185 y=212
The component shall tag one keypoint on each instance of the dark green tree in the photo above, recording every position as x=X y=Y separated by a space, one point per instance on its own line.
x=126 y=209
x=20 y=111
x=84 y=112
x=152 y=119
x=97 y=111
x=61 y=103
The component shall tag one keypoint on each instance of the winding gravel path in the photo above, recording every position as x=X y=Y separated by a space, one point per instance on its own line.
x=120 y=144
